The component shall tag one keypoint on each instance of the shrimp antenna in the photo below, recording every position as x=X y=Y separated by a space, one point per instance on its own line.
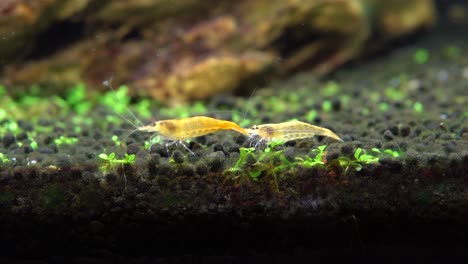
x=108 y=83
x=247 y=110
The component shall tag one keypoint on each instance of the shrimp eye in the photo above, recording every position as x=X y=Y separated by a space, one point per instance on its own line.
x=255 y=127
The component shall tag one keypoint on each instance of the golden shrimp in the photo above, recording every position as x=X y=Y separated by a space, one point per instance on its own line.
x=178 y=130
x=287 y=131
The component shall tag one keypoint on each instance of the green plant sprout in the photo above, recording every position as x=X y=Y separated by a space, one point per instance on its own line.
x=318 y=160
x=3 y=113
x=311 y=115
x=76 y=98
x=33 y=143
x=266 y=161
x=110 y=160
x=330 y=89
x=394 y=94
x=153 y=140
x=116 y=140
x=243 y=152
x=360 y=158
x=274 y=143
x=117 y=100
x=326 y=106
x=452 y=51
x=383 y=107
x=10 y=126
x=418 y=107
x=3 y=158
x=277 y=104
x=421 y=56
x=143 y=108
x=65 y=140
x=393 y=153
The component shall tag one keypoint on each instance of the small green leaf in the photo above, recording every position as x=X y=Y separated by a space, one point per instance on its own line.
x=103 y=156
x=111 y=156
x=255 y=174
x=357 y=166
x=129 y=158
x=357 y=153
x=322 y=148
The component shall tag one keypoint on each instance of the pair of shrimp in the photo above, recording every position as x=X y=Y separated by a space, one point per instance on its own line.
x=178 y=130
x=288 y=131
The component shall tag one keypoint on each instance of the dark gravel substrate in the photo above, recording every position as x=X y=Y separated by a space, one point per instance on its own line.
x=63 y=204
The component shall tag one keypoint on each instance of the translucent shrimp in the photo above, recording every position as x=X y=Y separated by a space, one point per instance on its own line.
x=178 y=130
x=287 y=131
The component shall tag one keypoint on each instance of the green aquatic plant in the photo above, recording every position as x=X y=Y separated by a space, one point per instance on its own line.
x=65 y=140
x=391 y=152
x=243 y=152
x=330 y=89
x=361 y=157
x=418 y=107
x=269 y=161
x=116 y=140
x=317 y=160
x=311 y=115
x=421 y=56
x=383 y=106
x=452 y=51
x=152 y=140
x=326 y=106
x=274 y=143
x=76 y=99
x=10 y=126
x=111 y=158
x=117 y=100
x=394 y=94
x=3 y=158
x=241 y=119
x=109 y=161
x=3 y=113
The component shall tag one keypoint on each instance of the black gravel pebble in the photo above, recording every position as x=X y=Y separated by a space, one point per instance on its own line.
x=201 y=168
x=21 y=136
x=27 y=149
x=187 y=170
x=25 y=125
x=391 y=165
x=133 y=148
x=336 y=105
x=8 y=139
x=388 y=135
x=394 y=130
x=216 y=161
x=450 y=146
x=159 y=149
x=219 y=147
x=347 y=149
x=47 y=140
x=178 y=156
x=46 y=150
x=404 y=130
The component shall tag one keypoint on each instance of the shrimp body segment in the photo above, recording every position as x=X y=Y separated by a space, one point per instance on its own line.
x=291 y=130
x=192 y=127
